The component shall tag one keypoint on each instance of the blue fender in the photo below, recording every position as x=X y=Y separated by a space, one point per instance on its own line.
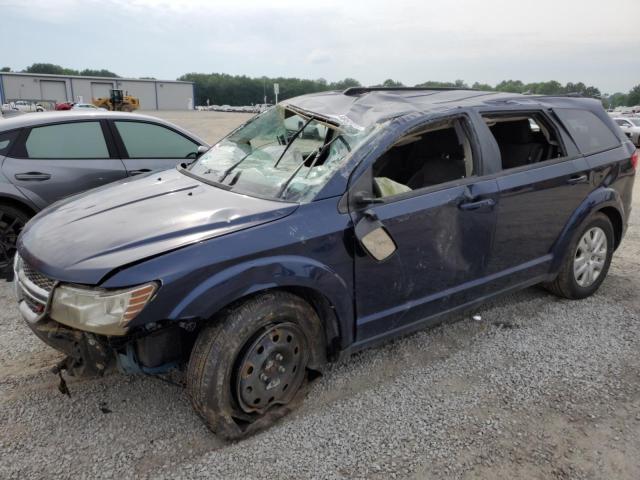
x=597 y=200
x=238 y=281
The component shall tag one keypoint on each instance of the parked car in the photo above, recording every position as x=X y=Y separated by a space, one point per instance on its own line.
x=631 y=127
x=49 y=156
x=87 y=106
x=64 y=106
x=27 y=106
x=275 y=253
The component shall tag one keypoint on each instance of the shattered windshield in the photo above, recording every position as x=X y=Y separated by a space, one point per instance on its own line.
x=279 y=154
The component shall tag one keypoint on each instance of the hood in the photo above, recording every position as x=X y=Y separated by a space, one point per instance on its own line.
x=83 y=238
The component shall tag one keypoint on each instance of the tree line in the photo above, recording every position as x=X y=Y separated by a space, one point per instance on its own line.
x=225 y=89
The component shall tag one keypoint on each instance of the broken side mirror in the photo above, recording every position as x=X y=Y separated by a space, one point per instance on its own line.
x=202 y=149
x=373 y=237
x=363 y=199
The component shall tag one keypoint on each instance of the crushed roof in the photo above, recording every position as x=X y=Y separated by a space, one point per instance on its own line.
x=365 y=107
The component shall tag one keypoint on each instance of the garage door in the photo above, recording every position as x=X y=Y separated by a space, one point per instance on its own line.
x=100 y=89
x=53 y=90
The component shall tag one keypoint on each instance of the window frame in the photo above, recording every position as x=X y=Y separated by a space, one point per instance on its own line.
x=532 y=166
x=467 y=127
x=14 y=137
x=119 y=142
x=19 y=149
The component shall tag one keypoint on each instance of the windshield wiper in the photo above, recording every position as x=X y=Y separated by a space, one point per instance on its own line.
x=233 y=167
x=293 y=137
x=318 y=154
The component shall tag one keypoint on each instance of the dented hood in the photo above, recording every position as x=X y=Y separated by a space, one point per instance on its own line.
x=83 y=238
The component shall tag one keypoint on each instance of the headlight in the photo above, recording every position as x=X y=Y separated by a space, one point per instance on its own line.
x=106 y=312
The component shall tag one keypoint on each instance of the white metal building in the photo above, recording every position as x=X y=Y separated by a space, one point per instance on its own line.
x=153 y=94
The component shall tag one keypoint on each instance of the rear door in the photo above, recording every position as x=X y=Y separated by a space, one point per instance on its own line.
x=147 y=146
x=50 y=162
x=542 y=182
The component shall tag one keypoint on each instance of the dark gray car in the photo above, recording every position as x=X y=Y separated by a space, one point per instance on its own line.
x=48 y=156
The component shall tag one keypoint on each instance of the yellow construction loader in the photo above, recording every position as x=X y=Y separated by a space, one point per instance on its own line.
x=118 y=101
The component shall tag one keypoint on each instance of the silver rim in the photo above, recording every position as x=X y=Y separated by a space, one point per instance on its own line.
x=591 y=255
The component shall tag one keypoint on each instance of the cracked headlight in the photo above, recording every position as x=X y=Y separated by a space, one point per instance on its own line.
x=107 y=312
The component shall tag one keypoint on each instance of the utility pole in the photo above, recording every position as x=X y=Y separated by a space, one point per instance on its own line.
x=276 y=90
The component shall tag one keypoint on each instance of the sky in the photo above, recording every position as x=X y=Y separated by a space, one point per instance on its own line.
x=592 y=41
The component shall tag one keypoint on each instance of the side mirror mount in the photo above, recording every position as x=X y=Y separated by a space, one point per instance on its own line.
x=202 y=149
x=363 y=199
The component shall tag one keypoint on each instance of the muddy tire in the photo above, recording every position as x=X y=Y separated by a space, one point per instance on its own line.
x=248 y=367
x=587 y=260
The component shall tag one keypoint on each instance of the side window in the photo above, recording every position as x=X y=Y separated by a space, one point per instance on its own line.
x=423 y=159
x=589 y=132
x=623 y=123
x=147 y=140
x=524 y=138
x=67 y=140
x=6 y=141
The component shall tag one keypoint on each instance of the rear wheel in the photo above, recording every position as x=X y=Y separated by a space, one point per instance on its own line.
x=249 y=368
x=587 y=261
x=12 y=221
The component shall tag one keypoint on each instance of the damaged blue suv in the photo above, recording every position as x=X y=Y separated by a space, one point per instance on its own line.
x=327 y=224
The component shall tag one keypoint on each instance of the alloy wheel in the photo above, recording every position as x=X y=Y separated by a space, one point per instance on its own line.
x=590 y=257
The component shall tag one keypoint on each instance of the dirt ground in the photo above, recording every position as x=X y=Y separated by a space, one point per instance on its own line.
x=540 y=388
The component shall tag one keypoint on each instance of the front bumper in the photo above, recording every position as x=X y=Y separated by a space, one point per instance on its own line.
x=87 y=354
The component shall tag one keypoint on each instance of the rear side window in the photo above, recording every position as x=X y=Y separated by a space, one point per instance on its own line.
x=67 y=141
x=6 y=141
x=146 y=140
x=589 y=132
x=524 y=138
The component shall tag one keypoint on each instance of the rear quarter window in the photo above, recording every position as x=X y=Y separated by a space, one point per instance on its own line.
x=6 y=141
x=589 y=132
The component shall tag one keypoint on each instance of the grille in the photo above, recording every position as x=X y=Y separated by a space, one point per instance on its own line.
x=36 y=277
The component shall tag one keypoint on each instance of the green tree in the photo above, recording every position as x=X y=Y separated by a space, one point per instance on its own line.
x=389 y=83
x=344 y=84
x=633 y=97
x=98 y=73
x=511 y=86
x=50 y=68
x=481 y=86
x=5 y=69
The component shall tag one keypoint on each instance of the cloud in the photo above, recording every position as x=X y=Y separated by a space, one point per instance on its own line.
x=317 y=56
x=409 y=40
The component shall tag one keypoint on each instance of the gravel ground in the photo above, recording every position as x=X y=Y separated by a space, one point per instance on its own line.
x=539 y=388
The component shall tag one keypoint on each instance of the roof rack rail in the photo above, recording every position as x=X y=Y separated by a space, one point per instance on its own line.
x=351 y=91
x=570 y=94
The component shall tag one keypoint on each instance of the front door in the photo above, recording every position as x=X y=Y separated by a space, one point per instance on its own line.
x=51 y=162
x=149 y=146
x=433 y=219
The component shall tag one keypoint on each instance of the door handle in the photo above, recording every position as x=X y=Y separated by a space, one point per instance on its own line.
x=487 y=202
x=138 y=172
x=32 y=176
x=577 y=179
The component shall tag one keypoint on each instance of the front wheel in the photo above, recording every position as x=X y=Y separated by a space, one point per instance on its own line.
x=587 y=261
x=249 y=368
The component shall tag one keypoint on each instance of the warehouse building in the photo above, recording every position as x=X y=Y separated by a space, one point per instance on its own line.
x=52 y=89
